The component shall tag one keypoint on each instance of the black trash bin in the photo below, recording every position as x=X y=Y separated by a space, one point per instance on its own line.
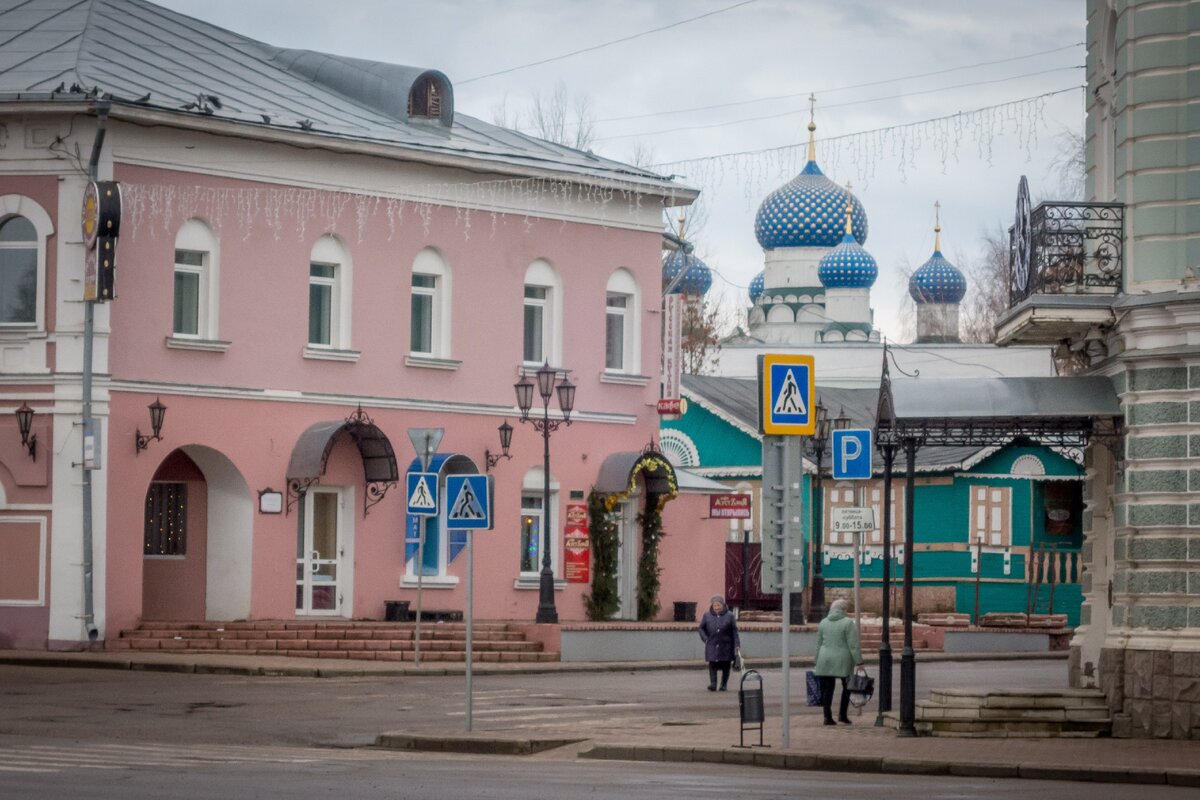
x=750 y=705
x=395 y=610
x=685 y=612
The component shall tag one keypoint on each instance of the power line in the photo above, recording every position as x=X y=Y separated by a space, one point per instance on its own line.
x=831 y=90
x=782 y=147
x=609 y=43
x=779 y=114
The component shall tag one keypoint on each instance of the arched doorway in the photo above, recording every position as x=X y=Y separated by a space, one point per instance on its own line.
x=198 y=530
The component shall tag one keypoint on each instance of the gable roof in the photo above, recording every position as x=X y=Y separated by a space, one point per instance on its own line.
x=149 y=59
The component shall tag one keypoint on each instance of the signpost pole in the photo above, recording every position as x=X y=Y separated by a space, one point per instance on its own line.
x=420 y=572
x=470 y=623
x=425 y=441
x=785 y=635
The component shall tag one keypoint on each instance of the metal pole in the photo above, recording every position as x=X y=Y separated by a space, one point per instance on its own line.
x=745 y=564
x=785 y=632
x=420 y=572
x=546 y=612
x=978 y=577
x=885 y=644
x=816 y=605
x=908 y=660
x=470 y=623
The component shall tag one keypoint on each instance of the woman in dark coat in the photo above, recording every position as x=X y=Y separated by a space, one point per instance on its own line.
x=718 y=631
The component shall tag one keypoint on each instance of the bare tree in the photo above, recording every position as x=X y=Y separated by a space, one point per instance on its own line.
x=1069 y=165
x=700 y=335
x=987 y=287
x=556 y=117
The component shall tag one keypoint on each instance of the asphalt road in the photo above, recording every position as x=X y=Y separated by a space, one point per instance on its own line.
x=68 y=733
x=119 y=705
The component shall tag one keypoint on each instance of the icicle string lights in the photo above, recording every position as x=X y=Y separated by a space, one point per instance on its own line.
x=859 y=155
x=293 y=210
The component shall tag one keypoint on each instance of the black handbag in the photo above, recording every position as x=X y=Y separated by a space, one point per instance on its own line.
x=861 y=687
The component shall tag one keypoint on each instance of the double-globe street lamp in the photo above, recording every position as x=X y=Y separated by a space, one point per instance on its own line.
x=547 y=378
x=817 y=443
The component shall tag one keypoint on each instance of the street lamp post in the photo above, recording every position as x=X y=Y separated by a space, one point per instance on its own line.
x=816 y=445
x=546 y=380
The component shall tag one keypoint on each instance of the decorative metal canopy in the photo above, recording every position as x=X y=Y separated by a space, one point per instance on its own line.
x=1064 y=411
x=311 y=454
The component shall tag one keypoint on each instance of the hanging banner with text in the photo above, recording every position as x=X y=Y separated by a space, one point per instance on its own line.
x=729 y=506
x=672 y=355
x=578 y=564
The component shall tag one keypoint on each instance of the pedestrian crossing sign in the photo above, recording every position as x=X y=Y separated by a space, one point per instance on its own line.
x=787 y=394
x=422 y=494
x=470 y=498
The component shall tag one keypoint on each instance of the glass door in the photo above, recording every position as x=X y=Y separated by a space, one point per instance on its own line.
x=318 y=554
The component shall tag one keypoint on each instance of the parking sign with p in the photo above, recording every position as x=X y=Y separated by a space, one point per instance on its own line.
x=852 y=454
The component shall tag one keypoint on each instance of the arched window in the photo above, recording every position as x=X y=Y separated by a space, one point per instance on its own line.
x=24 y=227
x=329 y=296
x=542 y=330
x=429 y=328
x=196 y=283
x=431 y=98
x=622 y=329
x=534 y=519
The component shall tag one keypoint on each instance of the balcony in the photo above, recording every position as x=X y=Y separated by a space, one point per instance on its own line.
x=1066 y=266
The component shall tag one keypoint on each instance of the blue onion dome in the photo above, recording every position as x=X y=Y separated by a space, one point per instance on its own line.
x=848 y=266
x=937 y=280
x=756 y=287
x=697 y=280
x=807 y=210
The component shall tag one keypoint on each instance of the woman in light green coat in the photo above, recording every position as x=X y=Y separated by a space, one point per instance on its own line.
x=838 y=654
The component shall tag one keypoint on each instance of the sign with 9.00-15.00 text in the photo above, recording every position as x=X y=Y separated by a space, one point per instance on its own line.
x=729 y=506
x=848 y=520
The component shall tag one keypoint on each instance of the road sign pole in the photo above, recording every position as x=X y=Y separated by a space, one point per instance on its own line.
x=425 y=441
x=785 y=634
x=858 y=567
x=470 y=622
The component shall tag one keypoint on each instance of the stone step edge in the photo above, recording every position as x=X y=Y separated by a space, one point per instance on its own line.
x=467 y=743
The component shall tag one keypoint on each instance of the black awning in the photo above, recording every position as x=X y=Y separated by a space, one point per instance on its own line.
x=311 y=454
x=619 y=472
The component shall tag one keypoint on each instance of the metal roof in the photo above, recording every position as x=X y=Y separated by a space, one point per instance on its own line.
x=149 y=58
x=1035 y=398
x=737 y=400
x=311 y=452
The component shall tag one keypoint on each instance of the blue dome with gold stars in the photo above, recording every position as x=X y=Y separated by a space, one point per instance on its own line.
x=756 y=287
x=808 y=211
x=937 y=281
x=847 y=266
x=696 y=281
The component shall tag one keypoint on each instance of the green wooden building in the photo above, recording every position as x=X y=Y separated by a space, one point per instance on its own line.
x=1017 y=508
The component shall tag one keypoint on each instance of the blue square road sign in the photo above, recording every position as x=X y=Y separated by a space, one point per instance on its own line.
x=469 y=502
x=852 y=454
x=787 y=394
x=421 y=489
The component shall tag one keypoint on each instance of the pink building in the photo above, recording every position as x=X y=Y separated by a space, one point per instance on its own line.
x=316 y=254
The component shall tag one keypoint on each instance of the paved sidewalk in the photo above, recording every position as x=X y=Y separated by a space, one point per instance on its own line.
x=860 y=747
x=218 y=663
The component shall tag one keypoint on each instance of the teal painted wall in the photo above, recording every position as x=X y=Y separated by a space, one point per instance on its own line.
x=720 y=444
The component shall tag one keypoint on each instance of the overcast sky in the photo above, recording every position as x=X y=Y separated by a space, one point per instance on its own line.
x=762 y=49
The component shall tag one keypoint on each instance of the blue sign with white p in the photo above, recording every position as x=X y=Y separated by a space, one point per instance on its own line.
x=852 y=454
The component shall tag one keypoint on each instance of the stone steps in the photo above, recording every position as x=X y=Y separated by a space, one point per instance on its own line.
x=375 y=641
x=1011 y=713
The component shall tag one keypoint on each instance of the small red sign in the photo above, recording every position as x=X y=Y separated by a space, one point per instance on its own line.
x=578 y=545
x=672 y=405
x=729 y=506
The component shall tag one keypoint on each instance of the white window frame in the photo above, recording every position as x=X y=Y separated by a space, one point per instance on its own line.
x=430 y=262
x=329 y=251
x=15 y=205
x=533 y=485
x=622 y=283
x=990 y=516
x=541 y=274
x=196 y=236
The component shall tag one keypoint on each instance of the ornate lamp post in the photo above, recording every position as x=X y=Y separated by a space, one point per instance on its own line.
x=546 y=380
x=819 y=441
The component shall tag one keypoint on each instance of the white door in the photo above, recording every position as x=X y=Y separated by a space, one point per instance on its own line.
x=320 y=552
x=628 y=544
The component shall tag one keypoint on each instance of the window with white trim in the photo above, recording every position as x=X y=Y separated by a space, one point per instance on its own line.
x=875 y=537
x=991 y=516
x=195 y=285
x=18 y=272
x=329 y=292
x=429 y=327
x=621 y=330
x=542 y=309
x=533 y=521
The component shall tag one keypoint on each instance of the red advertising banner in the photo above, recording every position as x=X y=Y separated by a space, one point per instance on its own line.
x=578 y=545
x=729 y=506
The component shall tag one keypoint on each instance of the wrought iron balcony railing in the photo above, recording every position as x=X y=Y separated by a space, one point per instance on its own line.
x=1066 y=248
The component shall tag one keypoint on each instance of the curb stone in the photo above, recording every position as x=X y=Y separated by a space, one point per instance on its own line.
x=484 y=745
x=896 y=766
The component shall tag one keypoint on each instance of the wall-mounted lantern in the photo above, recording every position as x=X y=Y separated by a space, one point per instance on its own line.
x=157 y=412
x=493 y=459
x=25 y=425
